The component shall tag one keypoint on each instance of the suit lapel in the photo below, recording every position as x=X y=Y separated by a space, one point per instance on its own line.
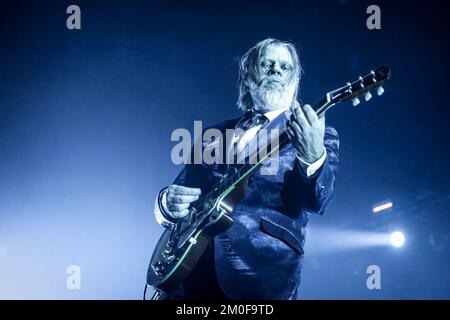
x=263 y=137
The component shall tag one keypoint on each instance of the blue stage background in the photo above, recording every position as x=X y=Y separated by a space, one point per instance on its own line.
x=86 y=118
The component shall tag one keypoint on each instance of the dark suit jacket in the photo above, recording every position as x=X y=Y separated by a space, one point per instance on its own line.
x=260 y=256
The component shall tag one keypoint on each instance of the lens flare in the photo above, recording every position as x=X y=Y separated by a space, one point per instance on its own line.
x=397 y=239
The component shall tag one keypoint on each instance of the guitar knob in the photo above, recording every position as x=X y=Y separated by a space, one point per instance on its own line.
x=368 y=96
x=380 y=91
x=355 y=102
x=167 y=251
x=159 y=269
x=170 y=258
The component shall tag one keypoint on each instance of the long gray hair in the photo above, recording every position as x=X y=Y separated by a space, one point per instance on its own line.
x=250 y=66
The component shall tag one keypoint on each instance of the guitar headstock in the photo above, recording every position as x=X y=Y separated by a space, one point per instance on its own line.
x=357 y=88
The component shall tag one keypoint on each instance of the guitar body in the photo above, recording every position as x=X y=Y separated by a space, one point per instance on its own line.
x=179 y=249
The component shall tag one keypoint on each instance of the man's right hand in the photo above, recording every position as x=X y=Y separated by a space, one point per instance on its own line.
x=179 y=198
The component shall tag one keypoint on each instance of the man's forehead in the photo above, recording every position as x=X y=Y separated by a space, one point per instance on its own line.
x=276 y=52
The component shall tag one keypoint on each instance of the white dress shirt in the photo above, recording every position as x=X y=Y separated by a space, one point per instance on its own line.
x=309 y=169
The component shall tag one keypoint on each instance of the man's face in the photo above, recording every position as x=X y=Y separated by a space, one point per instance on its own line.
x=276 y=64
x=274 y=87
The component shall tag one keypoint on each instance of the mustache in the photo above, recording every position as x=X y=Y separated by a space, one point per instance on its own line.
x=276 y=79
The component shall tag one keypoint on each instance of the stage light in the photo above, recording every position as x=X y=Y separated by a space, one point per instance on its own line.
x=397 y=239
x=382 y=207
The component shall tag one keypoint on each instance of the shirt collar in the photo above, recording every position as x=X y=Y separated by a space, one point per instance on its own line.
x=274 y=113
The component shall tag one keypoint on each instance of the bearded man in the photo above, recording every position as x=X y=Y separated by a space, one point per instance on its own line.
x=260 y=256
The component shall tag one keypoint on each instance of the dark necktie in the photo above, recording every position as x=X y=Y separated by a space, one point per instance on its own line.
x=252 y=119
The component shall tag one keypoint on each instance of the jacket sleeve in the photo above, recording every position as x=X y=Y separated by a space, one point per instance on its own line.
x=192 y=176
x=312 y=194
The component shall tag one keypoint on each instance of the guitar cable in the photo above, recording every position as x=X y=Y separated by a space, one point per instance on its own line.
x=145 y=292
x=156 y=295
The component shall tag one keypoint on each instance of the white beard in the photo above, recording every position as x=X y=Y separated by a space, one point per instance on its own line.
x=268 y=99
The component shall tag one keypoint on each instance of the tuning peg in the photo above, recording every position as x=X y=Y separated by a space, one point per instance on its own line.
x=380 y=91
x=368 y=96
x=355 y=102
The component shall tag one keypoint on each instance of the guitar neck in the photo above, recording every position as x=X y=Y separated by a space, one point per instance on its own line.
x=322 y=106
x=350 y=91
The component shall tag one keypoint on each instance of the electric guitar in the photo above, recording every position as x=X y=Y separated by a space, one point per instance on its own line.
x=181 y=245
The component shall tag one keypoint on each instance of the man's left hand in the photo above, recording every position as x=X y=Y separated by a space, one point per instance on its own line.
x=306 y=131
